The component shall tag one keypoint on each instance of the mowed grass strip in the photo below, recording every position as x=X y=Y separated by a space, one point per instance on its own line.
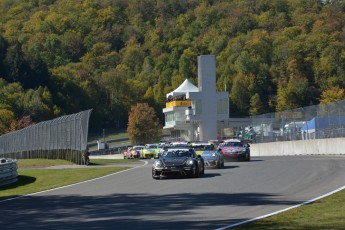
x=39 y=163
x=25 y=163
x=112 y=161
x=35 y=180
x=327 y=213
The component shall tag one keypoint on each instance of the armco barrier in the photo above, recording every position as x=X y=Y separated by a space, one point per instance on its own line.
x=8 y=171
x=330 y=146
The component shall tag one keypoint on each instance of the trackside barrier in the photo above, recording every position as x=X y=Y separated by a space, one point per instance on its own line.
x=330 y=146
x=313 y=122
x=8 y=171
x=61 y=138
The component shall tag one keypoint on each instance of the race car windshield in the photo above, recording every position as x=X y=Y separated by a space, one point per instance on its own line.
x=177 y=153
x=203 y=147
x=209 y=153
x=138 y=148
x=234 y=144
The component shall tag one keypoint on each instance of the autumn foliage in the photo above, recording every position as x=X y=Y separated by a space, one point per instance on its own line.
x=143 y=125
x=60 y=57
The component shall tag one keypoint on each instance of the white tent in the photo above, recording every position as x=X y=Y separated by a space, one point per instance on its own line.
x=184 y=88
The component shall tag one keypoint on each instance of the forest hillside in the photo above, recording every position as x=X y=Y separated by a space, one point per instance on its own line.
x=59 y=57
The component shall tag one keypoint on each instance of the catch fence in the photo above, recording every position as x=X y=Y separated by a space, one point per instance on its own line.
x=312 y=122
x=61 y=138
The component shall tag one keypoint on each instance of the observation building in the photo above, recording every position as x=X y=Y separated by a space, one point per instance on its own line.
x=194 y=113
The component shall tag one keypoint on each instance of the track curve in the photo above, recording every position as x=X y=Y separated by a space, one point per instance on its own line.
x=222 y=197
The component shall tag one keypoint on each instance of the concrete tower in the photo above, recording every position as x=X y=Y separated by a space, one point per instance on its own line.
x=207 y=88
x=196 y=113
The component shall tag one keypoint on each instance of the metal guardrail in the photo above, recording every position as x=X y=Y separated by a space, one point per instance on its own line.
x=8 y=171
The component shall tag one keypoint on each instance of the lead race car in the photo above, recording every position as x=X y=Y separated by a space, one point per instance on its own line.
x=178 y=162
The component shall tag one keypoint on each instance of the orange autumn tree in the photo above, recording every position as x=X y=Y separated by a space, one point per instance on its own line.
x=21 y=123
x=143 y=125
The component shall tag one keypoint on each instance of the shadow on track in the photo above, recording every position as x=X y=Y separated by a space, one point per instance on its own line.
x=122 y=211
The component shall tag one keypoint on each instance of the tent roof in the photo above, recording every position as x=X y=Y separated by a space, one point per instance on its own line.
x=310 y=125
x=185 y=87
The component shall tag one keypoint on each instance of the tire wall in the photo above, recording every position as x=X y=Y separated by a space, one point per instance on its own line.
x=8 y=171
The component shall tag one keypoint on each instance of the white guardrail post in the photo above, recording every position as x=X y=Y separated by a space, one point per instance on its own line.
x=8 y=171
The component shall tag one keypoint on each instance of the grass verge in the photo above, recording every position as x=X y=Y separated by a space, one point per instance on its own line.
x=24 y=163
x=35 y=180
x=327 y=213
x=112 y=161
x=112 y=136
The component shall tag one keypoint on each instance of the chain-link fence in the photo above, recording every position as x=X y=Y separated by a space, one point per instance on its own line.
x=62 y=138
x=312 y=122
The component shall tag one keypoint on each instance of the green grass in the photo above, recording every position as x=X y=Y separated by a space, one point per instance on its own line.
x=324 y=214
x=39 y=163
x=24 y=163
x=112 y=161
x=112 y=136
x=35 y=180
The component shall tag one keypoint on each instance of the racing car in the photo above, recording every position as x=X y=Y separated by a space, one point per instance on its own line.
x=213 y=158
x=178 y=161
x=235 y=149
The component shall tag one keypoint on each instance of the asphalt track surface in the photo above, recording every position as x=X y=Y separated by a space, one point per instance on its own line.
x=221 y=198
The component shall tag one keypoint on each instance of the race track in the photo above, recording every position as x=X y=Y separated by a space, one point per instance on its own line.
x=222 y=197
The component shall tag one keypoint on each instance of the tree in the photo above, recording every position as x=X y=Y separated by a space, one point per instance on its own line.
x=187 y=63
x=101 y=57
x=3 y=48
x=118 y=100
x=240 y=94
x=143 y=125
x=332 y=94
x=34 y=105
x=288 y=52
x=11 y=97
x=6 y=118
x=21 y=123
x=256 y=107
x=292 y=95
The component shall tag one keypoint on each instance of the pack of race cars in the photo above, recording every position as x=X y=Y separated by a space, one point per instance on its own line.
x=189 y=159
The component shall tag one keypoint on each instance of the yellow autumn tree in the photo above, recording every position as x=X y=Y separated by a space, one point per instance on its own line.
x=6 y=118
x=332 y=94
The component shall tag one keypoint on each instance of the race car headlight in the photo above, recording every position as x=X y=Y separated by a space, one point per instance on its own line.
x=158 y=164
x=189 y=162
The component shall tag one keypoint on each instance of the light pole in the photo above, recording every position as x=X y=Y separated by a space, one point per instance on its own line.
x=104 y=135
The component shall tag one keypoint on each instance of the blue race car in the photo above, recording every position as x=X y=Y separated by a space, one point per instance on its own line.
x=213 y=159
